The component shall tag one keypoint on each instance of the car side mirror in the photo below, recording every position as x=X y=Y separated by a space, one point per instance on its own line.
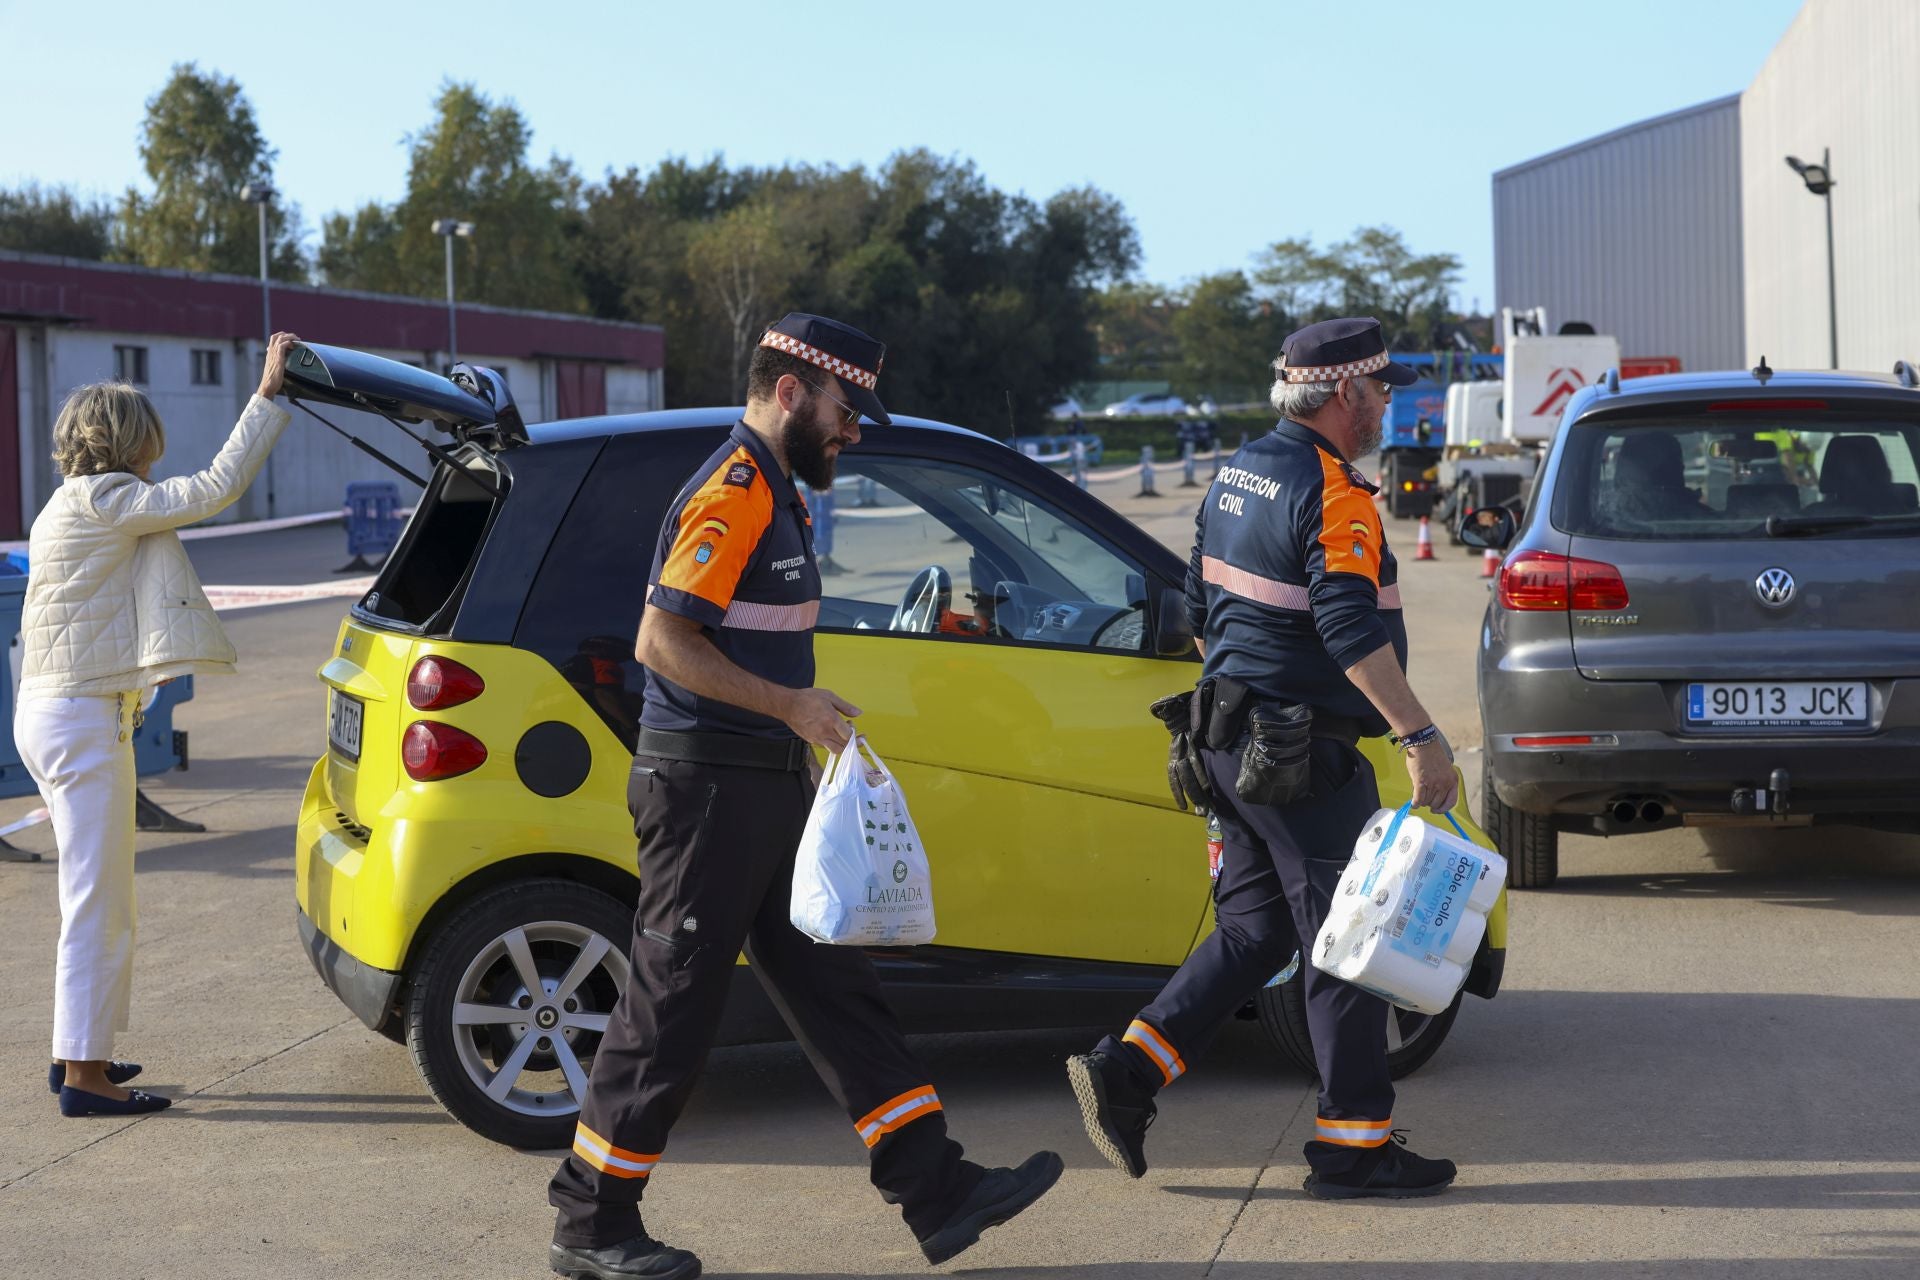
x=1490 y=528
x=1172 y=637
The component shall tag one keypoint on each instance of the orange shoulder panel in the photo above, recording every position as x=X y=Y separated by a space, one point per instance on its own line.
x=1349 y=524
x=720 y=525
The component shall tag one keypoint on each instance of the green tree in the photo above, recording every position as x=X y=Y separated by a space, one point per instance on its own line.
x=1380 y=276
x=470 y=163
x=1134 y=324
x=744 y=263
x=55 y=220
x=200 y=145
x=1227 y=338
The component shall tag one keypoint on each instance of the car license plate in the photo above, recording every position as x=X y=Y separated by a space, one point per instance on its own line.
x=343 y=724
x=1779 y=704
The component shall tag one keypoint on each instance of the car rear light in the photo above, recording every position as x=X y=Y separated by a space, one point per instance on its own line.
x=1533 y=581
x=433 y=751
x=438 y=683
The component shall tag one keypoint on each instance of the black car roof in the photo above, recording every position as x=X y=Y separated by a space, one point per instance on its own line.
x=619 y=424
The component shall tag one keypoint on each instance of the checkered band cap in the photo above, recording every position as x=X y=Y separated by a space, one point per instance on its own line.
x=846 y=372
x=1335 y=372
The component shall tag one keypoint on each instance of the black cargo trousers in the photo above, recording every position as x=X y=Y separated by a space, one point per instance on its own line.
x=716 y=847
x=1278 y=872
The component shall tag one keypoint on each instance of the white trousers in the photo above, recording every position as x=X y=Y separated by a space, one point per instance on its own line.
x=80 y=752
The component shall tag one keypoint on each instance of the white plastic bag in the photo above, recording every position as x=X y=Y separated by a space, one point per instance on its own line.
x=861 y=878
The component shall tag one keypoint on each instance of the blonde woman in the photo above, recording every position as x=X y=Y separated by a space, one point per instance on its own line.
x=113 y=608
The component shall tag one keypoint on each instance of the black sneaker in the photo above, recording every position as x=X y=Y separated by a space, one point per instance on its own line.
x=1117 y=1111
x=1388 y=1170
x=1000 y=1194
x=642 y=1256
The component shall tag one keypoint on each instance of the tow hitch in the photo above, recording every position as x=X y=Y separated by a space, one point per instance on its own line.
x=1752 y=802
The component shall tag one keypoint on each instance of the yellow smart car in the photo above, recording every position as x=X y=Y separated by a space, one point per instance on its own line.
x=465 y=858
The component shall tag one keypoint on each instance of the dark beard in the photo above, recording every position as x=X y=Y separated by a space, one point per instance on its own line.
x=806 y=443
x=1368 y=441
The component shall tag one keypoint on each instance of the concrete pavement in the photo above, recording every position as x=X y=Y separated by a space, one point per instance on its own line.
x=1699 y=1067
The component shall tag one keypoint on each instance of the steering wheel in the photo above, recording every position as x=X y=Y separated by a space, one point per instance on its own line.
x=928 y=595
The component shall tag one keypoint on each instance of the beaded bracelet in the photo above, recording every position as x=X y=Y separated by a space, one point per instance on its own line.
x=1418 y=738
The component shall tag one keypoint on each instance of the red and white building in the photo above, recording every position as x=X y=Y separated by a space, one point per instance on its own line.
x=193 y=344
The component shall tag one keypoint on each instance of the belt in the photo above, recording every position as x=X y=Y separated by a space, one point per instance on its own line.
x=1347 y=729
x=787 y=754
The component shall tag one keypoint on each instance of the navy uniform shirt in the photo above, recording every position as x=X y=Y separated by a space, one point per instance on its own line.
x=735 y=555
x=1291 y=581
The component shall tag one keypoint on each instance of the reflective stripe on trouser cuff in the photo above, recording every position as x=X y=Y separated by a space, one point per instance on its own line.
x=1353 y=1133
x=892 y=1114
x=1155 y=1046
x=609 y=1159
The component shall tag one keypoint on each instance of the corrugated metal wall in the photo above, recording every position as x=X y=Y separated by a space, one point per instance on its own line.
x=1637 y=232
x=1846 y=76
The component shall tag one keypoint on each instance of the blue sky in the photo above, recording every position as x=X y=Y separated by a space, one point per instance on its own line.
x=1222 y=126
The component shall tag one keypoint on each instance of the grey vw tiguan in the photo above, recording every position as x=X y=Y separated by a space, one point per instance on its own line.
x=1709 y=614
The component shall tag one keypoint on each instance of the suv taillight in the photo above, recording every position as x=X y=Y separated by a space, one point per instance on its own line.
x=433 y=751
x=1547 y=580
x=438 y=683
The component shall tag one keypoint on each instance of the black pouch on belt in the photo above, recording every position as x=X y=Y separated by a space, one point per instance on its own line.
x=1186 y=777
x=1274 y=765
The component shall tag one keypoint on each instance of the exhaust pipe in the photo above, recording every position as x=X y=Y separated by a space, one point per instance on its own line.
x=1623 y=811
x=1652 y=811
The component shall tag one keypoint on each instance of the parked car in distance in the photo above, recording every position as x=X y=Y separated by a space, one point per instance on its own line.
x=1147 y=404
x=1066 y=410
x=1707 y=614
x=1204 y=407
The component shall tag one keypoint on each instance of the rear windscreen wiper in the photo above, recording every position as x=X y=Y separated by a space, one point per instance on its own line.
x=1789 y=526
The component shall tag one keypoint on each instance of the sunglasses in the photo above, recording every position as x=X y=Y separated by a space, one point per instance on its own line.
x=850 y=415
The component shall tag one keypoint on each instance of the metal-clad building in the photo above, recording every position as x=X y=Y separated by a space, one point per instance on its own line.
x=1844 y=78
x=1637 y=231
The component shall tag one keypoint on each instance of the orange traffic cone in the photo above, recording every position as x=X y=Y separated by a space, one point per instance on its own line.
x=1490 y=563
x=1423 y=549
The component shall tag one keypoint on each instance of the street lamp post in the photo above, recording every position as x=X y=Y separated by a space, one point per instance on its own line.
x=1819 y=180
x=260 y=194
x=448 y=228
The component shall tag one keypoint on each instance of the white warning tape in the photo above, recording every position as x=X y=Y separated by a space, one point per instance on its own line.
x=275 y=525
x=33 y=819
x=227 y=599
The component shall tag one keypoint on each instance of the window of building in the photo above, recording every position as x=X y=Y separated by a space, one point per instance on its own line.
x=130 y=364
x=206 y=368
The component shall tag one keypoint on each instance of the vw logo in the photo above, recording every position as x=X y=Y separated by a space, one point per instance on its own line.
x=1774 y=587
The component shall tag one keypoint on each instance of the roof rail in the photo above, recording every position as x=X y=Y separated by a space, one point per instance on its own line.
x=1905 y=372
x=1613 y=382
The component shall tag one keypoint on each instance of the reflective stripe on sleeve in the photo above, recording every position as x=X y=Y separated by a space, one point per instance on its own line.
x=1353 y=1133
x=1390 y=596
x=1251 y=586
x=772 y=617
x=896 y=1112
x=609 y=1159
x=1155 y=1046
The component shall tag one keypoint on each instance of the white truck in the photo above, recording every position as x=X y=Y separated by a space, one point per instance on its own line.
x=1496 y=433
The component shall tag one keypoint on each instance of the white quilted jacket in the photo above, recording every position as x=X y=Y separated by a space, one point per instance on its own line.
x=113 y=604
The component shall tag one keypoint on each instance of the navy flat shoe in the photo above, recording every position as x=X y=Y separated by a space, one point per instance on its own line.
x=78 y=1102
x=117 y=1073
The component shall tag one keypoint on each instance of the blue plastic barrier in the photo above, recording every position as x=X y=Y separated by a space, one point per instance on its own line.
x=1052 y=446
x=373 y=517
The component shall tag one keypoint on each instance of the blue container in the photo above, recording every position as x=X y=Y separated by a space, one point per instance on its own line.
x=373 y=517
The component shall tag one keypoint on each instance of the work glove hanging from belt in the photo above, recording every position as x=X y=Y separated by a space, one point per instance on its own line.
x=1186 y=774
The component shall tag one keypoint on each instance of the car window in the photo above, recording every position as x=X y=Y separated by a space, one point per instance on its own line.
x=931 y=548
x=583 y=609
x=1683 y=480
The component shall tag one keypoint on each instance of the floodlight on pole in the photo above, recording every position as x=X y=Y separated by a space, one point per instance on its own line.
x=447 y=229
x=260 y=193
x=1819 y=180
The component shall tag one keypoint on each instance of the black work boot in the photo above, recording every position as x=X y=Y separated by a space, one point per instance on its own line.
x=1117 y=1111
x=641 y=1257
x=1389 y=1170
x=999 y=1195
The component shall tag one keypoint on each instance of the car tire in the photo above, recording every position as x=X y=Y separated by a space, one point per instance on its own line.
x=471 y=961
x=1526 y=840
x=1412 y=1039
